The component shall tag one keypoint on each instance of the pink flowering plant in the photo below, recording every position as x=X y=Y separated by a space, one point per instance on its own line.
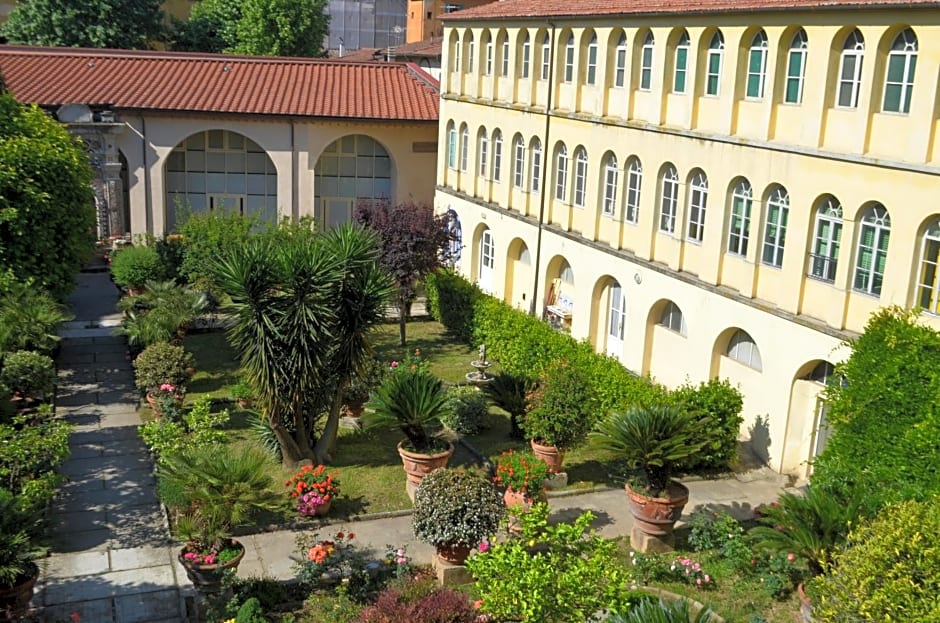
x=688 y=570
x=670 y=568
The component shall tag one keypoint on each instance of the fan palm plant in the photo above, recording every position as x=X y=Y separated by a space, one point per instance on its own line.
x=652 y=440
x=812 y=526
x=508 y=392
x=659 y=611
x=412 y=401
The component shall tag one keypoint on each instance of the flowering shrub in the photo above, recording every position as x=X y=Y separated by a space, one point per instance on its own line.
x=167 y=400
x=666 y=567
x=689 y=571
x=414 y=362
x=312 y=487
x=419 y=598
x=210 y=556
x=397 y=560
x=521 y=472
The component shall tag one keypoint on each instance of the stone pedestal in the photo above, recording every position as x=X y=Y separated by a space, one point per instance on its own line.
x=448 y=574
x=410 y=489
x=649 y=544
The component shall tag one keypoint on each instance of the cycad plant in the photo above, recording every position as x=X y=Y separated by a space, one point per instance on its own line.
x=210 y=493
x=508 y=392
x=660 y=611
x=812 y=526
x=653 y=440
x=412 y=401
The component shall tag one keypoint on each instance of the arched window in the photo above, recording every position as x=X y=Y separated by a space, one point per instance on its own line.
x=872 y=251
x=470 y=51
x=526 y=56
x=464 y=148
x=826 y=239
x=546 y=56
x=646 y=63
x=451 y=146
x=757 y=66
x=739 y=225
x=899 y=79
x=536 y=158
x=488 y=61
x=580 y=176
x=223 y=172
x=518 y=169
x=634 y=183
x=351 y=169
x=504 y=58
x=669 y=201
x=561 y=174
x=716 y=52
x=620 y=61
x=682 y=64
x=742 y=349
x=796 y=68
x=673 y=319
x=929 y=280
x=850 y=70
x=775 y=232
x=592 y=61
x=484 y=151
x=456 y=67
x=698 y=202
x=569 y=59
x=497 y=156
x=611 y=176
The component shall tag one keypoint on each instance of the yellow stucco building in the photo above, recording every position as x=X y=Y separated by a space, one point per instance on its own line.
x=701 y=189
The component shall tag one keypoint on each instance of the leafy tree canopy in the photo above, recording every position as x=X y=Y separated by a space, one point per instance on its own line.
x=124 y=24
x=255 y=27
x=47 y=215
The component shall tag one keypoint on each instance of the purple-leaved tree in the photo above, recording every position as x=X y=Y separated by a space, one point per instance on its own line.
x=414 y=243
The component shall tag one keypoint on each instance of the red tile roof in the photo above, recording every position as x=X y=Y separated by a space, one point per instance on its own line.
x=588 y=8
x=218 y=83
x=429 y=48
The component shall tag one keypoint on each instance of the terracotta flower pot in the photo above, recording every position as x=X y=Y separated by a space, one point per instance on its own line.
x=658 y=516
x=323 y=509
x=14 y=600
x=519 y=503
x=208 y=578
x=417 y=465
x=453 y=554
x=552 y=456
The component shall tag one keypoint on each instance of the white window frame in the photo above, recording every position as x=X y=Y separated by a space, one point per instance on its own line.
x=561 y=174
x=631 y=213
x=849 y=86
x=673 y=319
x=464 y=149
x=904 y=51
x=743 y=349
x=569 y=59
x=646 y=62
x=669 y=200
x=535 y=159
x=775 y=229
x=452 y=148
x=580 y=177
x=471 y=49
x=611 y=181
x=488 y=66
x=756 y=76
x=827 y=237
x=457 y=47
x=798 y=52
x=504 y=61
x=484 y=154
x=497 y=156
x=546 y=57
x=698 y=204
x=742 y=196
x=681 y=65
x=526 y=56
x=518 y=172
x=869 y=280
x=620 y=62
x=591 y=77
x=928 y=276
x=716 y=54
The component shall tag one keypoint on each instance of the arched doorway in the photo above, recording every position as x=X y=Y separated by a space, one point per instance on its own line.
x=808 y=430
x=487 y=261
x=518 y=274
x=351 y=169
x=219 y=171
x=609 y=316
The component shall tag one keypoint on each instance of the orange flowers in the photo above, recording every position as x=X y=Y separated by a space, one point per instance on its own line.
x=312 y=479
x=321 y=551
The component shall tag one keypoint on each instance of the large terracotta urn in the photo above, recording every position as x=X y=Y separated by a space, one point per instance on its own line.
x=657 y=516
x=418 y=465
x=552 y=456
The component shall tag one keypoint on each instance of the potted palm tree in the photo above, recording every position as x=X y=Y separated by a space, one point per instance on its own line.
x=455 y=510
x=561 y=409
x=412 y=400
x=18 y=572
x=653 y=440
x=508 y=392
x=209 y=494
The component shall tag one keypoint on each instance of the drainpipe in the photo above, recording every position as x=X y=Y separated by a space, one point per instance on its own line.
x=546 y=159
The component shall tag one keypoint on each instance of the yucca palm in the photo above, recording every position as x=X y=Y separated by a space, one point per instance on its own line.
x=214 y=492
x=812 y=526
x=508 y=392
x=652 y=439
x=412 y=401
x=660 y=611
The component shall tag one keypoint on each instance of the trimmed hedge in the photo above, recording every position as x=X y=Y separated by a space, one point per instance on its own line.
x=525 y=345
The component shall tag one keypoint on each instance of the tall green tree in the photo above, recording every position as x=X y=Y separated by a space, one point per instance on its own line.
x=47 y=214
x=124 y=24
x=303 y=305
x=283 y=28
x=212 y=27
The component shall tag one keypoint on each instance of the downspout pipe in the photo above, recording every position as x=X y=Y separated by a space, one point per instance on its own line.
x=546 y=160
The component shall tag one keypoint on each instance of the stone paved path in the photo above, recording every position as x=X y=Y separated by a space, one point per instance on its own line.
x=112 y=560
